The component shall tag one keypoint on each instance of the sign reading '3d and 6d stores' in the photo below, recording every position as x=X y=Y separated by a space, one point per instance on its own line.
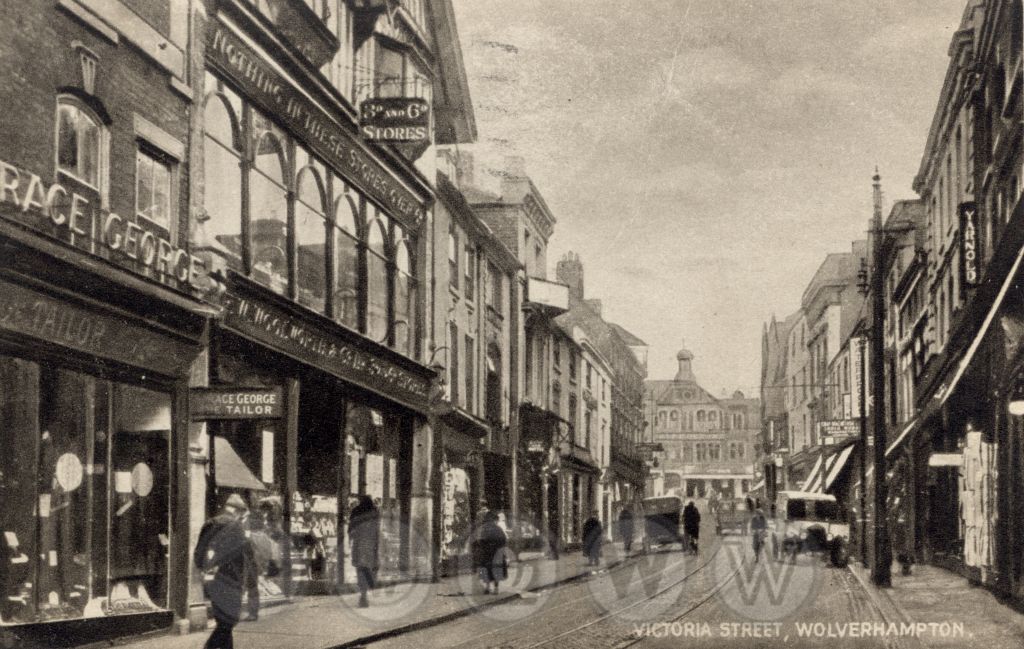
x=394 y=119
x=67 y=215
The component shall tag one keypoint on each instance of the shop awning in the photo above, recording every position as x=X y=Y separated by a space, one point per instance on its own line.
x=837 y=466
x=947 y=388
x=813 y=476
x=229 y=469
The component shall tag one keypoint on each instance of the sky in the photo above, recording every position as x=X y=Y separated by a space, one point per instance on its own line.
x=702 y=158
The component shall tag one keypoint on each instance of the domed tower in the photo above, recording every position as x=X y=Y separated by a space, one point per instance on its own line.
x=685 y=372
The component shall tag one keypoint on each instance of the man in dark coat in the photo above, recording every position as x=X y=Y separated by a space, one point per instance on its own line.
x=758 y=530
x=223 y=550
x=489 y=552
x=364 y=533
x=691 y=525
x=626 y=528
x=592 y=531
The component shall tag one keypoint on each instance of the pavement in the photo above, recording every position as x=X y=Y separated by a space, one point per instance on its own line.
x=942 y=600
x=323 y=622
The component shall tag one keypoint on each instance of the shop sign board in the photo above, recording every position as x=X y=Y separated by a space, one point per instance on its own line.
x=314 y=345
x=946 y=459
x=968 y=244
x=273 y=93
x=395 y=119
x=235 y=403
x=648 y=449
x=838 y=430
x=30 y=313
x=62 y=212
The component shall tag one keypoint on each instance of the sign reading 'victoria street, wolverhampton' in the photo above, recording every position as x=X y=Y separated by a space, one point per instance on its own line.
x=235 y=403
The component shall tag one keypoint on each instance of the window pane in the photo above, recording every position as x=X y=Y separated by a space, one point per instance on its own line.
x=346 y=279
x=162 y=195
x=268 y=209
x=377 y=297
x=389 y=72
x=311 y=234
x=143 y=184
x=67 y=140
x=223 y=202
x=88 y=150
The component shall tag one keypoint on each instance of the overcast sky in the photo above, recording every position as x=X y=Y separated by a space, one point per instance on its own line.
x=703 y=157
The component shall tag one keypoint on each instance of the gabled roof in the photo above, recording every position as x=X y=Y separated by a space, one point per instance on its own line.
x=626 y=336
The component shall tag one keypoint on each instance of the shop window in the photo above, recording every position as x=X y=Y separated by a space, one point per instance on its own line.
x=311 y=236
x=81 y=143
x=268 y=205
x=153 y=174
x=405 y=300
x=84 y=482
x=346 y=258
x=377 y=293
x=222 y=163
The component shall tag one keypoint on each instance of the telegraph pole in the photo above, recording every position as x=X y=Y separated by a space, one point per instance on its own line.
x=882 y=564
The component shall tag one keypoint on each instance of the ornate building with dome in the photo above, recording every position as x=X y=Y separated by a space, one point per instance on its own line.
x=707 y=441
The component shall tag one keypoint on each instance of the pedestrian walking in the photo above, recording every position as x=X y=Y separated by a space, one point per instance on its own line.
x=758 y=531
x=223 y=551
x=364 y=534
x=626 y=528
x=262 y=549
x=489 y=552
x=691 y=526
x=592 y=530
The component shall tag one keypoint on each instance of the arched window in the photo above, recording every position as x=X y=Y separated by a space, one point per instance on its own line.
x=713 y=415
x=700 y=415
x=222 y=165
x=673 y=415
x=377 y=289
x=405 y=299
x=268 y=205
x=81 y=144
x=346 y=256
x=311 y=233
x=662 y=418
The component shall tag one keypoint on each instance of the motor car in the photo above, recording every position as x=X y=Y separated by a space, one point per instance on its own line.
x=809 y=522
x=732 y=517
x=663 y=521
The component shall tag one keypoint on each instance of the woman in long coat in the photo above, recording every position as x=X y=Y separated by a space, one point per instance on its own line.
x=691 y=525
x=364 y=533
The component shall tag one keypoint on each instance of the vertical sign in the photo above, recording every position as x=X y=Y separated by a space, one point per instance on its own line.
x=968 y=245
x=857 y=369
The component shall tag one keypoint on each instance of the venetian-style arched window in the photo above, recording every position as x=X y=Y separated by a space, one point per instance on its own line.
x=377 y=285
x=311 y=233
x=346 y=255
x=222 y=169
x=405 y=299
x=268 y=205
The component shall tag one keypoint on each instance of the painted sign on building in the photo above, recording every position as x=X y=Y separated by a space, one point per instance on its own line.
x=968 y=244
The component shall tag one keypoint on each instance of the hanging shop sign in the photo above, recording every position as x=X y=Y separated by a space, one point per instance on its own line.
x=648 y=449
x=968 y=244
x=838 y=430
x=63 y=213
x=236 y=403
x=272 y=92
x=395 y=119
x=946 y=459
x=314 y=345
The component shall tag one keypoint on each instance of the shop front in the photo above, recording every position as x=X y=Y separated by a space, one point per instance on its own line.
x=463 y=485
x=94 y=368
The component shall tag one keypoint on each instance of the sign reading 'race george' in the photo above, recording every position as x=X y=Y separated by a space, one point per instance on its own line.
x=235 y=403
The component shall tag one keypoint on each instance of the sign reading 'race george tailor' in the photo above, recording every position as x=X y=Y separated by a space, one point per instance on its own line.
x=235 y=403
x=274 y=94
x=316 y=346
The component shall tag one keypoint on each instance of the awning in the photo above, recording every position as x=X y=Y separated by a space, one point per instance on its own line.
x=229 y=469
x=837 y=466
x=813 y=476
x=947 y=389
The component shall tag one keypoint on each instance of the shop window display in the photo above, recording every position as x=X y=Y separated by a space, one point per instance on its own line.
x=85 y=486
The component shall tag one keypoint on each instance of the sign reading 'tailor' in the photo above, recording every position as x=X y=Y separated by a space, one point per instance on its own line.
x=235 y=403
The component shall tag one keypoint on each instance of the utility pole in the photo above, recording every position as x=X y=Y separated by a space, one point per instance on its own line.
x=862 y=398
x=882 y=564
